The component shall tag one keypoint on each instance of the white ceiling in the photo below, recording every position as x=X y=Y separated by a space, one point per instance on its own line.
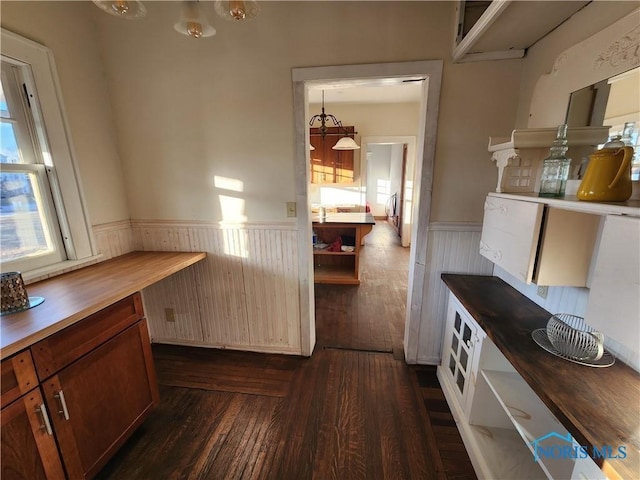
x=390 y=90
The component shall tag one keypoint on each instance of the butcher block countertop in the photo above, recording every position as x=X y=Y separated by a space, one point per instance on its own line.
x=598 y=406
x=75 y=295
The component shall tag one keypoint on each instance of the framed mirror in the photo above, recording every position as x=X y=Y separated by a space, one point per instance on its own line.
x=613 y=102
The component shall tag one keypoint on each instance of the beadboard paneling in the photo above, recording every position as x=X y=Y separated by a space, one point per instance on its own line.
x=243 y=296
x=114 y=239
x=451 y=248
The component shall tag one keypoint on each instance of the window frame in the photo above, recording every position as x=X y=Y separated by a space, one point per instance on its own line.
x=53 y=135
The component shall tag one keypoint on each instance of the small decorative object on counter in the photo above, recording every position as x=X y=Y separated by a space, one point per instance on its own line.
x=555 y=168
x=14 y=294
x=608 y=175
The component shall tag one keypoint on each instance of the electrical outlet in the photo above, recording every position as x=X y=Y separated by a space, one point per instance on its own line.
x=291 y=209
x=169 y=315
x=542 y=291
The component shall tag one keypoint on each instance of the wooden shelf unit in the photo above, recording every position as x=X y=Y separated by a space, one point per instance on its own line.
x=341 y=268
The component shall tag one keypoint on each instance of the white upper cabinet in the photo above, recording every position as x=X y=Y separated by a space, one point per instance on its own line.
x=614 y=299
x=539 y=243
x=510 y=234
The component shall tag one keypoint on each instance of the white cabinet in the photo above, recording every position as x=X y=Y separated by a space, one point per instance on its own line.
x=614 y=300
x=539 y=243
x=510 y=232
x=463 y=338
x=501 y=420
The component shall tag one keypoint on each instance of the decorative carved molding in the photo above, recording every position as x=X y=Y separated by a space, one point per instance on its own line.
x=625 y=51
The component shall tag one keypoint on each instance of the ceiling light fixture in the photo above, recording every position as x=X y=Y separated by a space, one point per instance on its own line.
x=346 y=142
x=193 y=22
x=237 y=10
x=129 y=9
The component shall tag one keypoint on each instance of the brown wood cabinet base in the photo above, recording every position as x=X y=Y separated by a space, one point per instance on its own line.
x=97 y=385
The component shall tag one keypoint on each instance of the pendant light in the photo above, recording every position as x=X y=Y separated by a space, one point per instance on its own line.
x=237 y=10
x=129 y=9
x=192 y=22
x=346 y=142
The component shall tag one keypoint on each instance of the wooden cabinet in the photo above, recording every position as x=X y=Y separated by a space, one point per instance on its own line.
x=97 y=401
x=28 y=447
x=539 y=243
x=340 y=267
x=97 y=384
x=328 y=165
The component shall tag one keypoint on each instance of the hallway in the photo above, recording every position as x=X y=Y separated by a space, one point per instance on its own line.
x=370 y=316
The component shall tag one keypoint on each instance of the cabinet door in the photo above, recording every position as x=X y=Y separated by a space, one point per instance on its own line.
x=614 y=303
x=510 y=233
x=328 y=165
x=99 y=400
x=18 y=377
x=28 y=448
x=462 y=340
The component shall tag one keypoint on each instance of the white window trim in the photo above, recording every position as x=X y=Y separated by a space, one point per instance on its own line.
x=74 y=220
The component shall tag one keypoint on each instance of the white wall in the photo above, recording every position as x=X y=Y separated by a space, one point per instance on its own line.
x=68 y=30
x=378 y=179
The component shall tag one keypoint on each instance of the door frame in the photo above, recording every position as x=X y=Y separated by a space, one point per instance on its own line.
x=412 y=159
x=303 y=78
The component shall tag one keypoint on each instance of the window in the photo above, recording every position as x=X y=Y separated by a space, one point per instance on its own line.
x=29 y=230
x=43 y=221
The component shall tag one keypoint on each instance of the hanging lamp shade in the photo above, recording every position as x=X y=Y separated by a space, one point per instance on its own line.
x=129 y=9
x=193 y=22
x=237 y=10
x=346 y=143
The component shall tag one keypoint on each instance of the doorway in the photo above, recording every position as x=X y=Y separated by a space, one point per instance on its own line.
x=430 y=72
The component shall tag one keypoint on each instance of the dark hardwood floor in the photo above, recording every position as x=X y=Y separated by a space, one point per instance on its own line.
x=354 y=410
x=369 y=316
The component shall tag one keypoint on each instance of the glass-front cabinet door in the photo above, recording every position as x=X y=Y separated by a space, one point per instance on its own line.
x=462 y=341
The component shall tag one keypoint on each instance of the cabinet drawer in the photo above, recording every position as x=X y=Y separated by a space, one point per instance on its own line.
x=18 y=377
x=61 y=349
x=510 y=233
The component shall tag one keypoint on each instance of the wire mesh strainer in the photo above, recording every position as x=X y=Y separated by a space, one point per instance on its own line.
x=572 y=337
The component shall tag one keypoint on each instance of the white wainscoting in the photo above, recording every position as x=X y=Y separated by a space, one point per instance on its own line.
x=244 y=296
x=114 y=239
x=451 y=248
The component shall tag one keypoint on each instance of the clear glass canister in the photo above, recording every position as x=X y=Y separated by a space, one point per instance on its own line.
x=555 y=168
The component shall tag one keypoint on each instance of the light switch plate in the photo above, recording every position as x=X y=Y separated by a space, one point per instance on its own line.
x=291 y=209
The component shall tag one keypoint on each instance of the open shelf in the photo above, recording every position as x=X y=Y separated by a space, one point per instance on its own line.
x=335 y=274
x=505 y=453
x=326 y=252
x=530 y=417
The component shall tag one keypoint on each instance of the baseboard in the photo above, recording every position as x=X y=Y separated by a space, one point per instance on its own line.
x=241 y=348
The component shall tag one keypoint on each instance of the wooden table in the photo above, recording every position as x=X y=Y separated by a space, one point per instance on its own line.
x=340 y=267
x=598 y=406
x=75 y=295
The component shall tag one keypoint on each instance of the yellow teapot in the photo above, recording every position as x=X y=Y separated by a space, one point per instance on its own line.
x=608 y=175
